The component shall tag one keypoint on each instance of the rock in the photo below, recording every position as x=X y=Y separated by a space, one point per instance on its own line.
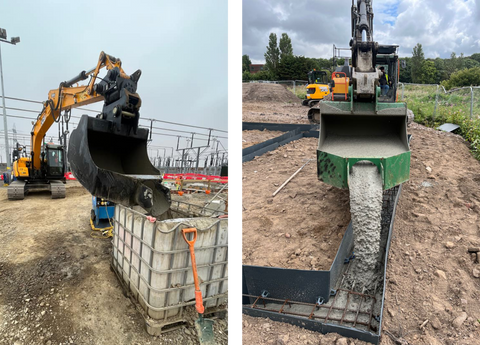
x=391 y=312
x=283 y=339
x=476 y=272
x=441 y=274
x=459 y=320
x=410 y=117
x=342 y=341
x=436 y=324
x=463 y=301
x=288 y=235
x=298 y=252
x=449 y=245
x=429 y=169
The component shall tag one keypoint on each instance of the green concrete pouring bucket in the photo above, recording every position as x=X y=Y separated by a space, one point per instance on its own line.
x=364 y=134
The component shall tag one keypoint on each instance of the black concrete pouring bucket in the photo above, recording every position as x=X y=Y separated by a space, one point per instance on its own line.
x=114 y=165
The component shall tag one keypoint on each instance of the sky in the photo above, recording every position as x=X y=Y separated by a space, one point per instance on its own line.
x=441 y=26
x=181 y=50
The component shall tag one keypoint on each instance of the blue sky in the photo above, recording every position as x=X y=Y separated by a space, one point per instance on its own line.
x=441 y=26
x=181 y=50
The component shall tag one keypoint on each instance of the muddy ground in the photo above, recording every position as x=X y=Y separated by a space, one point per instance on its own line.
x=432 y=280
x=56 y=286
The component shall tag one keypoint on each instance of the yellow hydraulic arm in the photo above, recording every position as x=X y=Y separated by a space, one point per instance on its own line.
x=66 y=97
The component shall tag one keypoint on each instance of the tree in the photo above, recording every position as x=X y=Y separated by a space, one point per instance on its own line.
x=272 y=55
x=475 y=57
x=285 y=45
x=429 y=72
x=406 y=72
x=418 y=59
x=451 y=64
x=246 y=63
x=466 y=77
x=441 y=70
x=460 y=62
x=471 y=63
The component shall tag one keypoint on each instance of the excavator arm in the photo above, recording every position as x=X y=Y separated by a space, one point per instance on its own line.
x=67 y=97
x=107 y=154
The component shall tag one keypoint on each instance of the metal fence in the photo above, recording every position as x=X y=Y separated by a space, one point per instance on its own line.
x=467 y=98
x=293 y=83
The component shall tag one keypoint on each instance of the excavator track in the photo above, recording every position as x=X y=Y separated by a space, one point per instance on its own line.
x=16 y=190
x=58 y=189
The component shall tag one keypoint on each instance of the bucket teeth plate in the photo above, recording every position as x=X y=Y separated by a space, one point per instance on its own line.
x=113 y=164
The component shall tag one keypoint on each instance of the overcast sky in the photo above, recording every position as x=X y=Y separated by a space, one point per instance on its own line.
x=181 y=48
x=441 y=26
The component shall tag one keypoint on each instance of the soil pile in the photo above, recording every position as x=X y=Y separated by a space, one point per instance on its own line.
x=259 y=92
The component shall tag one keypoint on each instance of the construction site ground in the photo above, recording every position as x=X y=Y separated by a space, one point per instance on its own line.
x=271 y=103
x=433 y=285
x=254 y=137
x=56 y=286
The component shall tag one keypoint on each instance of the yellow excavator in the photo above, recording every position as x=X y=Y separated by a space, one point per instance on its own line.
x=107 y=154
x=317 y=87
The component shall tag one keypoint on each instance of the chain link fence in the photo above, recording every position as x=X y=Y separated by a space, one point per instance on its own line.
x=436 y=100
x=295 y=85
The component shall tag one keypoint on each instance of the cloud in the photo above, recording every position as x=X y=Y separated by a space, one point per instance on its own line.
x=314 y=26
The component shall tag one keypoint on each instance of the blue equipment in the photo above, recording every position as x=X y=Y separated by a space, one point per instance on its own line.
x=101 y=214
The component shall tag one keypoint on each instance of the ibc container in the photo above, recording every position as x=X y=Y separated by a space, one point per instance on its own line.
x=152 y=261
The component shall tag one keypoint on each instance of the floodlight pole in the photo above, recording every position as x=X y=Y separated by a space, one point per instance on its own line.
x=5 y=128
x=14 y=41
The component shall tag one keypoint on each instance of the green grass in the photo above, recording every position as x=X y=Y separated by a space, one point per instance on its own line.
x=300 y=91
x=451 y=108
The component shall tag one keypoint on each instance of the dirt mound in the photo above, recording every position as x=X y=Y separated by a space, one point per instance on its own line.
x=255 y=92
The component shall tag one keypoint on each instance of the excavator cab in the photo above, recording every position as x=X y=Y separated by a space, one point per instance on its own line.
x=317 y=87
x=387 y=58
x=54 y=161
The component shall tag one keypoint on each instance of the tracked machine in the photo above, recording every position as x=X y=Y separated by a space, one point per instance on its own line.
x=363 y=144
x=317 y=88
x=107 y=154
